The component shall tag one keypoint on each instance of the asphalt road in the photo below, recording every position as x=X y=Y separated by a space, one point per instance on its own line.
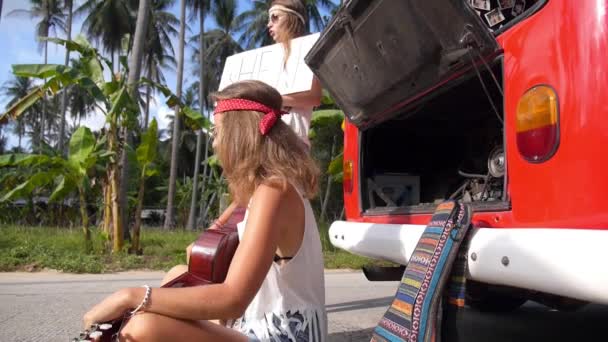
x=49 y=306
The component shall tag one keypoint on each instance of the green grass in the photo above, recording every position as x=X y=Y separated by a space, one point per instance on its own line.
x=37 y=248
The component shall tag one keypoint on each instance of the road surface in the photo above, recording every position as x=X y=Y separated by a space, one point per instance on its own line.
x=48 y=306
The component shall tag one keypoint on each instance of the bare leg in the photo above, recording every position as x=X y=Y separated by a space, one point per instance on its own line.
x=173 y=273
x=151 y=327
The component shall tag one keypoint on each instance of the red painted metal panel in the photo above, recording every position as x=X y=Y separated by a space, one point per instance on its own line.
x=564 y=45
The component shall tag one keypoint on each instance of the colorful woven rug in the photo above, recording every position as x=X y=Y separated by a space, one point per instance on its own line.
x=414 y=313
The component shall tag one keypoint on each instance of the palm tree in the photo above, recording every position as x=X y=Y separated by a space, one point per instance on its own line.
x=169 y=218
x=0 y=9
x=106 y=23
x=315 y=18
x=3 y=139
x=221 y=42
x=218 y=44
x=187 y=139
x=200 y=7
x=50 y=13
x=254 y=22
x=52 y=106
x=69 y=4
x=80 y=102
x=159 y=52
x=139 y=43
x=15 y=89
x=141 y=33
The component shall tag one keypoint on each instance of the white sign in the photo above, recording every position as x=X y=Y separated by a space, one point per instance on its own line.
x=266 y=64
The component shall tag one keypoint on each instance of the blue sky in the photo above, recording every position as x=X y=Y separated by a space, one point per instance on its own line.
x=18 y=46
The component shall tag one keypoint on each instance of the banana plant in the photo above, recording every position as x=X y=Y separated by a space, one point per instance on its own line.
x=146 y=155
x=69 y=175
x=112 y=99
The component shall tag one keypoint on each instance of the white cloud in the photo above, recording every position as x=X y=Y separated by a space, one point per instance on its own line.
x=160 y=111
x=94 y=121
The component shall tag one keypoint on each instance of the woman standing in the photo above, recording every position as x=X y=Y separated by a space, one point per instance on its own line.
x=287 y=21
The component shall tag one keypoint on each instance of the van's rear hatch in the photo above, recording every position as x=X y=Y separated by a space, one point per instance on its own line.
x=377 y=55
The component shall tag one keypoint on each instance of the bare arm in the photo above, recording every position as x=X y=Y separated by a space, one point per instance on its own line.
x=311 y=98
x=249 y=267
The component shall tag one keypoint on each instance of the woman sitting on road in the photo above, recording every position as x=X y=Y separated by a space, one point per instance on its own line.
x=275 y=285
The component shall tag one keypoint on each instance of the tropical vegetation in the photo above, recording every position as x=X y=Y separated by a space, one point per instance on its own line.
x=132 y=174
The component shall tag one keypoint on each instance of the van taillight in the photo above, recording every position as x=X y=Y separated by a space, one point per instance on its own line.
x=347 y=180
x=538 y=124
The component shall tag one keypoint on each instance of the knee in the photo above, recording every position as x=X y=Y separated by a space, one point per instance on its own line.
x=174 y=273
x=139 y=328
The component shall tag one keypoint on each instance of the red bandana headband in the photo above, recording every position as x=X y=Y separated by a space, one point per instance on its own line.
x=270 y=115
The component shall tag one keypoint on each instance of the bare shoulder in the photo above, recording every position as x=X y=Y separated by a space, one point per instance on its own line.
x=277 y=197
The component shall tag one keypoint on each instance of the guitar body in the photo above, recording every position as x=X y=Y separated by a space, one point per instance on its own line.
x=209 y=261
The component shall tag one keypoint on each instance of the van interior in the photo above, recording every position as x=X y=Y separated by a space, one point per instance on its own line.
x=448 y=146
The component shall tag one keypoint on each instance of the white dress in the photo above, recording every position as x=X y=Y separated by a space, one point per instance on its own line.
x=290 y=304
x=298 y=120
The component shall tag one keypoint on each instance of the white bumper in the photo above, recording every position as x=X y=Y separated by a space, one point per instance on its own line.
x=567 y=262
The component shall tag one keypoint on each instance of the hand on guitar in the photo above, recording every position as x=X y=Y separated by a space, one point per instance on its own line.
x=105 y=319
x=114 y=306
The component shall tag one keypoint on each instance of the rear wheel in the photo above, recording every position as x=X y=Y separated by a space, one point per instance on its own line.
x=490 y=298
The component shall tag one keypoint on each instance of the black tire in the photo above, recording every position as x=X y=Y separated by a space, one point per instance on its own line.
x=496 y=303
x=488 y=298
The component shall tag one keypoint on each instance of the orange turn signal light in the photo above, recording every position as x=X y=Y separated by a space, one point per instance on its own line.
x=537 y=124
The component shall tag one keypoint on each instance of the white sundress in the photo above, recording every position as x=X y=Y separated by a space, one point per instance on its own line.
x=298 y=119
x=290 y=304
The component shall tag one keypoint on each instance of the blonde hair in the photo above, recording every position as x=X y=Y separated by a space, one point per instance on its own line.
x=249 y=158
x=294 y=27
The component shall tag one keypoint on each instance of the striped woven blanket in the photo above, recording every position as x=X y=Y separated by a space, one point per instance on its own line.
x=414 y=313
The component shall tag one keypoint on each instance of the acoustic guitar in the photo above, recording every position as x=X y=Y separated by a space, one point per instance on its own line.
x=209 y=260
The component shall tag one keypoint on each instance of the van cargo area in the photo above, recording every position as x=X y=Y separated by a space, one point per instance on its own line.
x=448 y=145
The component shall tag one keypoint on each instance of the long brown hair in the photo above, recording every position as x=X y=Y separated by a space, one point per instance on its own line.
x=294 y=27
x=249 y=158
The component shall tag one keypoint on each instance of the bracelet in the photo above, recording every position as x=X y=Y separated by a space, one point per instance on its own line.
x=144 y=302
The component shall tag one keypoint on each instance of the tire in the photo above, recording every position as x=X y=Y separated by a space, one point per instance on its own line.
x=496 y=303
x=488 y=298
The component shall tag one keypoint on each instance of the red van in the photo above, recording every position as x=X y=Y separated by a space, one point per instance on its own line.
x=499 y=103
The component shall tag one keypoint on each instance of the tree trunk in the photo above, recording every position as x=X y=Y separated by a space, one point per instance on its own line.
x=65 y=91
x=43 y=114
x=199 y=136
x=209 y=204
x=140 y=204
x=117 y=238
x=107 y=207
x=169 y=218
x=328 y=187
x=85 y=219
x=206 y=171
x=147 y=110
x=141 y=27
x=138 y=46
x=0 y=9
